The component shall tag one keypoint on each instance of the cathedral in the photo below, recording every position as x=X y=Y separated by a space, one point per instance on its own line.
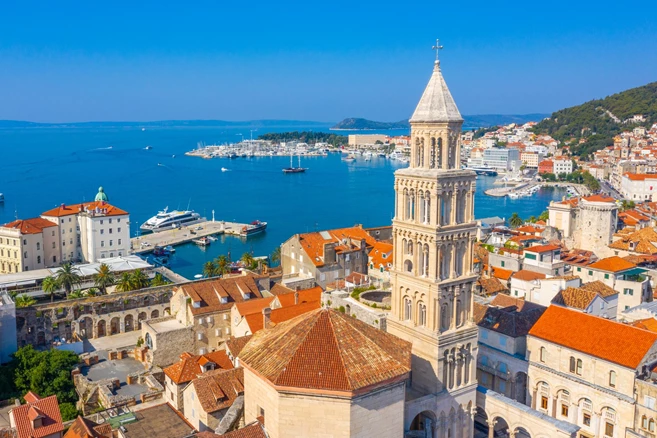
x=433 y=278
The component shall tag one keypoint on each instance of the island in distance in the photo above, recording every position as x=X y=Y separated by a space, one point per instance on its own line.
x=473 y=121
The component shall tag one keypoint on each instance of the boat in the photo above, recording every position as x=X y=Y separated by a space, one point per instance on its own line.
x=293 y=169
x=2 y=198
x=349 y=158
x=161 y=260
x=173 y=156
x=148 y=148
x=513 y=195
x=223 y=169
x=213 y=238
x=143 y=129
x=483 y=170
x=202 y=241
x=198 y=276
x=165 y=220
x=254 y=227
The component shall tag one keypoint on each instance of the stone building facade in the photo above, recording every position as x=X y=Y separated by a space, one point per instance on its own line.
x=433 y=276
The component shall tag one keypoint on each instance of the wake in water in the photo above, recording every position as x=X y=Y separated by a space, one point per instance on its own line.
x=101 y=149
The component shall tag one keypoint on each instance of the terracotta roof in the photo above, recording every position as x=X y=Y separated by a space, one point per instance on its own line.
x=644 y=241
x=218 y=389
x=508 y=316
x=640 y=176
x=253 y=306
x=377 y=254
x=612 y=341
x=51 y=421
x=84 y=428
x=67 y=210
x=256 y=320
x=190 y=366
x=491 y=286
x=30 y=226
x=327 y=350
x=600 y=198
x=649 y=324
x=235 y=345
x=313 y=243
x=31 y=397
x=210 y=293
x=542 y=248
x=502 y=274
x=253 y=430
x=305 y=296
x=526 y=275
x=600 y=288
x=574 y=297
x=612 y=264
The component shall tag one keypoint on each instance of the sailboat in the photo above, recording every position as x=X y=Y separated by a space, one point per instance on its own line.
x=293 y=169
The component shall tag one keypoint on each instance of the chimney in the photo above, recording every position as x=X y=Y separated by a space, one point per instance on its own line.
x=296 y=297
x=266 y=317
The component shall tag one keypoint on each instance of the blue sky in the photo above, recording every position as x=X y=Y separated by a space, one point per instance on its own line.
x=67 y=61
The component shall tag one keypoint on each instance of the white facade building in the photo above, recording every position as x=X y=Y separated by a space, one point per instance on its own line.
x=638 y=186
x=562 y=165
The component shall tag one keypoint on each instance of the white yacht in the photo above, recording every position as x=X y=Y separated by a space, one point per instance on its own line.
x=166 y=220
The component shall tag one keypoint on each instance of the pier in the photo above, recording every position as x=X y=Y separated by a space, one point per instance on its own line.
x=580 y=189
x=177 y=236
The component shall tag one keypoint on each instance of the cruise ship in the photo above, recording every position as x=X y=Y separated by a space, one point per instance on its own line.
x=166 y=220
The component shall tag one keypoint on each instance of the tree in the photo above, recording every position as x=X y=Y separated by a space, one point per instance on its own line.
x=67 y=276
x=159 y=280
x=104 y=277
x=276 y=255
x=69 y=411
x=50 y=285
x=75 y=295
x=223 y=265
x=627 y=205
x=125 y=283
x=515 y=221
x=24 y=301
x=545 y=216
x=532 y=219
x=139 y=279
x=92 y=292
x=247 y=259
x=209 y=269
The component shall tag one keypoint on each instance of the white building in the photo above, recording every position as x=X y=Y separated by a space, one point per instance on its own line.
x=26 y=245
x=562 y=165
x=638 y=186
x=503 y=160
x=8 y=344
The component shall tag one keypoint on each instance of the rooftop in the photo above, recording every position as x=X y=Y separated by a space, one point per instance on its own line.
x=161 y=421
x=47 y=408
x=84 y=428
x=218 y=295
x=189 y=366
x=313 y=243
x=612 y=264
x=507 y=315
x=436 y=103
x=218 y=389
x=102 y=206
x=30 y=226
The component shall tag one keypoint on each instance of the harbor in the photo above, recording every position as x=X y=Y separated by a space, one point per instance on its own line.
x=529 y=188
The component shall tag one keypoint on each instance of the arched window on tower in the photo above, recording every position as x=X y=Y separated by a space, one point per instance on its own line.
x=439 y=154
x=427 y=207
x=412 y=206
x=408 y=308
x=409 y=247
x=459 y=313
x=444 y=316
x=432 y=163
x=420 y=196
x=407 y=204
x=425 y=260
x=422 y=315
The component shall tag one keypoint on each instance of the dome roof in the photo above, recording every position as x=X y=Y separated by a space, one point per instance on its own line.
x=101 y=196
x=327 y=350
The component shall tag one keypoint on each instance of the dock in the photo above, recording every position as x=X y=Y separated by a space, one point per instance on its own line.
x=147 y=242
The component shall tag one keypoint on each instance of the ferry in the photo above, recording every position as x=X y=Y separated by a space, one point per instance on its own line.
x=293 y=169
x=254 y=227
x=166 y=220
x=483 y=170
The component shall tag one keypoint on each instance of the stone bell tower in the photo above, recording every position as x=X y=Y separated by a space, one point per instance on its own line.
x=433 y=279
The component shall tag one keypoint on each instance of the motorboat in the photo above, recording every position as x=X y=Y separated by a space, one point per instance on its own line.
x=166 y=220
x=202 y=241
x=254 y=227
x=223 y=169
x=349 y=158
x=483 y=170
x=148 y=148
x=213 y=238
x=513 y=195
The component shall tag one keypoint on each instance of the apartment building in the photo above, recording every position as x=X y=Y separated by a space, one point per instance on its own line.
x=26 y=245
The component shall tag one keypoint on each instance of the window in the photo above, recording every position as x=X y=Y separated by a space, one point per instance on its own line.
x=649 y=402
x=261 y=411
x=119 y=241
x=502 y=367
x=25 y=255
x=590 y=272
x=579 y=269
x=502 y=388
x=118 y=230
x=644 y=422
x=407 y=308
x=39 y=259
x=110 y=221
x=110 y=231
x=38 y=246
x=609 y=429
x=102 y=231
x=543 y=355
x=102 y=243
x=564 y=410
x=101 y=222
x=24 y=241
x=572 y=364
x=53 y=245
x=422 y=317
x=118 y=220
x=628 y=291
x=578 y=371
x=502 y=263
x=111 y=243
x=651 y=425
x=612 y=379
x=544 y=402
x=586 y=419
x=606 y=276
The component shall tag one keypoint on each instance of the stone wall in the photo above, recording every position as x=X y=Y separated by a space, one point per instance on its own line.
x=167 y=346
x=372 y=316
x=90 y=317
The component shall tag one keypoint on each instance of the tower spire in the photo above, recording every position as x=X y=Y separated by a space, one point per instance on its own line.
x=437 y=48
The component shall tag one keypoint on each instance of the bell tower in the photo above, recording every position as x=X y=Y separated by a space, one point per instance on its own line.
x=432 y=278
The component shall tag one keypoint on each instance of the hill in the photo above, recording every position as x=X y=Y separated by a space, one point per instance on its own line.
x=473 y=121
x=598 y=121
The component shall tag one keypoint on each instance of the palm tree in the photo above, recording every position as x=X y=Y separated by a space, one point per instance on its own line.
x=532 y=219
x=24 y=301
x=515 y=221
x=276 y=255
x=223 y=265
x=92 y=292
x=125 y=283
x=67 y=276
x=139 y=279
x=104 y=277
x=248 y=260
x=75 y=294
x=209 y=269
x=50 y=285
x=159 y=280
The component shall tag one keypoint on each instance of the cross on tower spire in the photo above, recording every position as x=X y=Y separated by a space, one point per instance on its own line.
x=437 y=48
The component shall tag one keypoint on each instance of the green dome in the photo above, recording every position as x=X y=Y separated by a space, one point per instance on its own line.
x=101 y=196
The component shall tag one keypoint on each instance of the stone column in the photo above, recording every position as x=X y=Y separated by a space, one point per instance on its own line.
x=455 y=309
x=491 y=428
x=445 y=148
x=467 y=268
x=432 y=257
x=439 y=251
x=454 y=206
x=452 y=260
x=427 y=150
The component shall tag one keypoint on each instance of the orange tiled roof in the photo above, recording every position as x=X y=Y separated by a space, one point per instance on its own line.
x=640 y=176
x=526 y=275
x=502 y=274
x=253 y=430
x=67 y=210
x=575 y=297
x=612 y=341
x=253 y=306
x=210 y=293
x=313 y=243
x=51 y=421
x=327 y=350
x=599 y=198
x=644 y=241
x=190 y=366
x=305 y=296
x=530 y=229
x=84 y=428
x=649 y=324
x=218 y=389
x=30 y=226
x=256 y=320
x=235 y=345
x=491 y=286
x=377 y=254
x=612 y=264
x=542 y=248
x=600 y=288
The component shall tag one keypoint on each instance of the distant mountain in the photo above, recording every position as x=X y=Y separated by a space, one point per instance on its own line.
x=474 y=121
x=598 y=121
x=166 y=123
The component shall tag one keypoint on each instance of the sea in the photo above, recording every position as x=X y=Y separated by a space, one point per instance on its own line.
x=43 y=167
